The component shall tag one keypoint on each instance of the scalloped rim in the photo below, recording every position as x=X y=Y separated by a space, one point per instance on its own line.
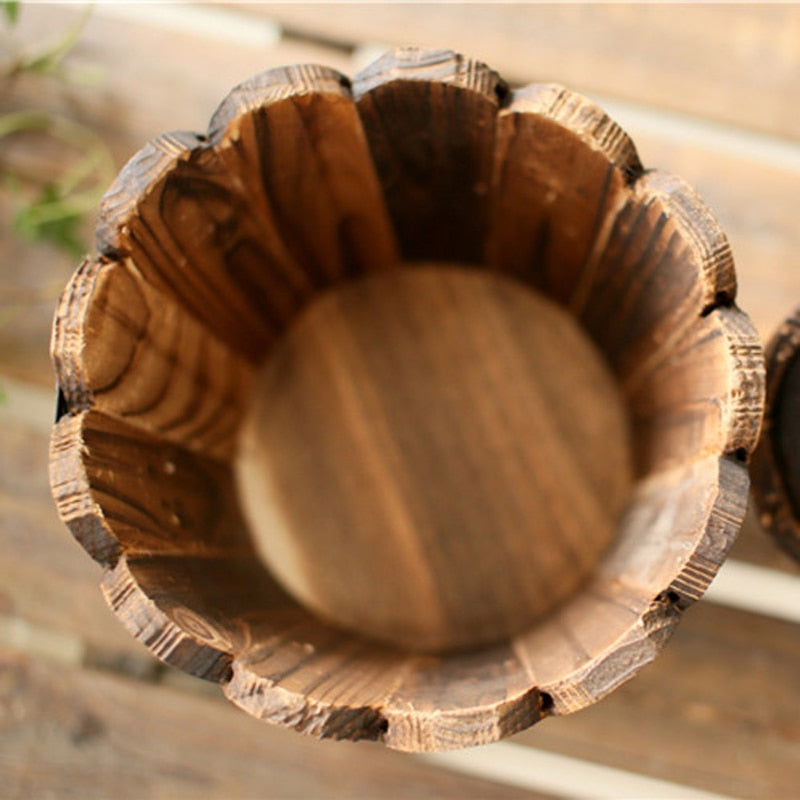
x=636 y=644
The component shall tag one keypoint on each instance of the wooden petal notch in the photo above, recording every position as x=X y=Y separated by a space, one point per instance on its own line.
x=410 y=408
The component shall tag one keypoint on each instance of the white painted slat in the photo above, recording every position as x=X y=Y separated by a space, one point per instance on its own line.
x=211 y=22
x=759 y=590
x=541 y=771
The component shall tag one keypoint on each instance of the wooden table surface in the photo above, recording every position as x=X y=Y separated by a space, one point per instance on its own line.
x=709 y=92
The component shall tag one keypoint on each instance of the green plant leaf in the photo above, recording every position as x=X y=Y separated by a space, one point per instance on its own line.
x=11 y=11
x=51 y=218
x=57 y=214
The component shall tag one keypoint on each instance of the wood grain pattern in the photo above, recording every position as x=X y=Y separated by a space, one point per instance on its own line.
x=561 y=171
x=686 y=516
x=319 y=681
x=271 y=86
x=776 y=478
x=675 y=534
x=316 y=183
x=583 y=117
x=657 y=274
x=290 y=669
x=429 y=118
x=240 y=255
x=755 y=209
x=154 y=161
x=669 y=716
x=710 y=247
x=124 y=348
x=195 y=612
x=396 y=459
x=650 y=277
x=702 y=397
x=192 y=269
x=122 y=490
x=594 y=644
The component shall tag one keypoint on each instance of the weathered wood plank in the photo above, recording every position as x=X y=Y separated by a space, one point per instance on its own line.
x=75 y=734
x=735 y=63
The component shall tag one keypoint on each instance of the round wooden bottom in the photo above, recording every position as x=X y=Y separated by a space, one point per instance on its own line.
x=434 y=456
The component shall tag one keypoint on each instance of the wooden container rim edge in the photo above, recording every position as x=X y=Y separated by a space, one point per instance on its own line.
x=519 y=686
x=773 y=473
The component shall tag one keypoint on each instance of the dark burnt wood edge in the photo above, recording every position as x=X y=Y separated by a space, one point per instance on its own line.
x=771 y=494
x=171 y=643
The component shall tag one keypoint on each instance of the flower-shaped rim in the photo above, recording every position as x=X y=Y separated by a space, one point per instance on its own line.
x=220 y=629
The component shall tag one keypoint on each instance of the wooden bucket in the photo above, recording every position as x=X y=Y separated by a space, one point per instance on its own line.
x=410 y=408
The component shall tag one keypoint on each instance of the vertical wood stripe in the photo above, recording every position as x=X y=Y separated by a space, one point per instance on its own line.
x=699 y=225
x=429 y=119
x=582 y=116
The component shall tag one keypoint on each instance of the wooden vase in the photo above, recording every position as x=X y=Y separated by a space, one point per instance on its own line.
x=410 y=408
